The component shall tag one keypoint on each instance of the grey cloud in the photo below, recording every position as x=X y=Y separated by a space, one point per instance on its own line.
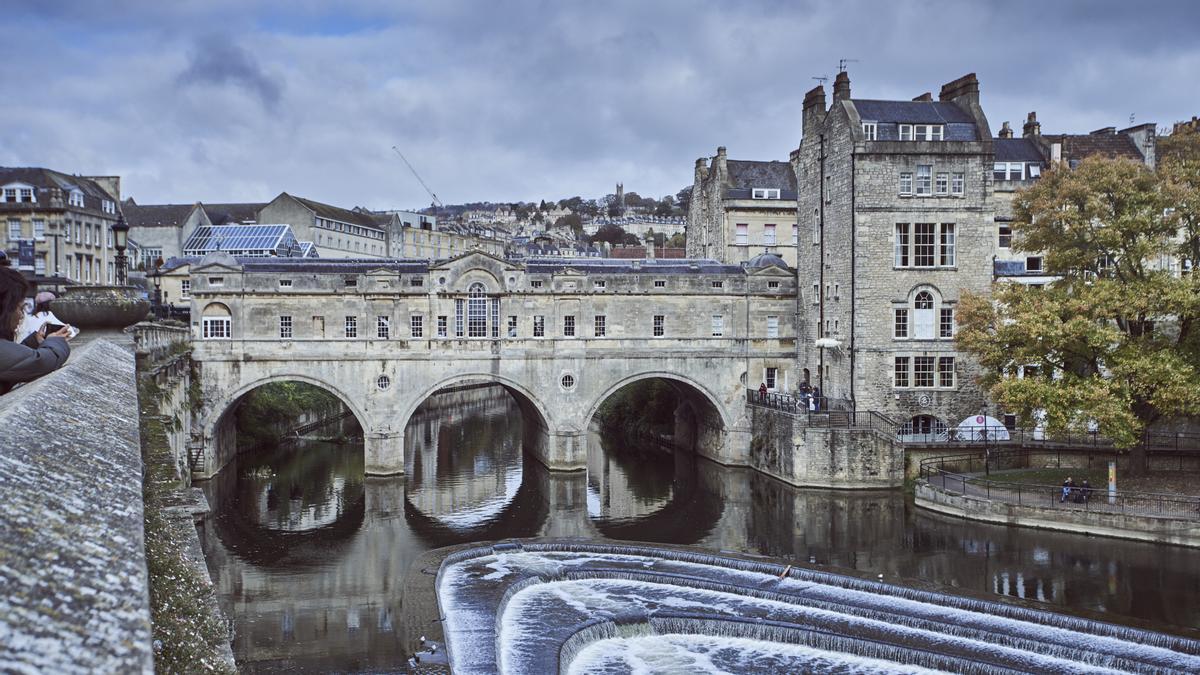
x=218 y=61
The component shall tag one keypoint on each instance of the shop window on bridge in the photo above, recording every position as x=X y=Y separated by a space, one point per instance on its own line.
x=512 y=326
x=442 y=326
x=216 y=322
x=351 y=327
x=771 y=377
x=459 y=309
x=416 y=324
x=383 y=327
x=922 y=429
x=477 y=311
x=539 y=326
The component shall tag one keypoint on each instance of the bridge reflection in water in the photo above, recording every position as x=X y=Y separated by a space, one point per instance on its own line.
x=309 y=557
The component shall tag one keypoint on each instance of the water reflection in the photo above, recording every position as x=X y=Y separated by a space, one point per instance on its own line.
x=309 y=558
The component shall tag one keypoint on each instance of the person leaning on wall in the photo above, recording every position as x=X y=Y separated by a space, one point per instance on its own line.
x=19 y=363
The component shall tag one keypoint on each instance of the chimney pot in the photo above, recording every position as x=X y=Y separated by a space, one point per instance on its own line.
x=720 y=151
x=841 y=86
x=1032 y=126
x=1006 y=131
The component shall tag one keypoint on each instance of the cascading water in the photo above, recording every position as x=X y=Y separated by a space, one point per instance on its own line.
x=588 y=607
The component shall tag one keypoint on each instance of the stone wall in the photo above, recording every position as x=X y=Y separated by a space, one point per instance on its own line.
x=782 y=446
x=73 y=583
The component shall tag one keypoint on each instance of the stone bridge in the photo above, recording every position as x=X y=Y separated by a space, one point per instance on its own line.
x=562 y=336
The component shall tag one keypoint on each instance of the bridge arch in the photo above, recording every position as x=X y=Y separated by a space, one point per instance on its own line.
x=219 y=445
x=726 y=418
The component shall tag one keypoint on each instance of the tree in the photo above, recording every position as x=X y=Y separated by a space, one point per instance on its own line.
x=1114 y=338
x=666 y=207
x=677 y=240
x=1179 y=145
x=612 y=234
x=572 y=221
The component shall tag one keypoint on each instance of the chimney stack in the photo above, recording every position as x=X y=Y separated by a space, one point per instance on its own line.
x=1006 y=131
x=927 y=96
x=964 y=89
x=841 y=86
x=814 y=108
x=1032 y=126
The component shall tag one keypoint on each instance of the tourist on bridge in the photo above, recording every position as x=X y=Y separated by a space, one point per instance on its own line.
x=19 y=363
x=1067 y=485
x=762 y=391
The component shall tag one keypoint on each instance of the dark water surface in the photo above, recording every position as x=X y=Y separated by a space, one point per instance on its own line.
x=309 y=557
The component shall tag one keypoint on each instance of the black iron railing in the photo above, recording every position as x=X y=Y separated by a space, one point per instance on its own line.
x=971 y=475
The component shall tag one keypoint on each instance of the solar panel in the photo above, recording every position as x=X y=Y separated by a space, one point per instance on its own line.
x=247 y=240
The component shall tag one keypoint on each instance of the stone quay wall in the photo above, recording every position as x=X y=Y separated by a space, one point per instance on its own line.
x=1157 y=529
x=784 y=447
x=73 y=582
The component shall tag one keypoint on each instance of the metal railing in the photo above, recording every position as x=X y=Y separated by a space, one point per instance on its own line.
x=960 y=474
x=822 y=412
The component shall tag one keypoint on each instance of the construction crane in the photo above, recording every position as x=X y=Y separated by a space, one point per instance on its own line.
x=437 y=203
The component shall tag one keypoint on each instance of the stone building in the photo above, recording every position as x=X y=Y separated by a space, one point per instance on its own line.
x=66 y=221
x=740 y=209
x=897 y=220
x=161 y=229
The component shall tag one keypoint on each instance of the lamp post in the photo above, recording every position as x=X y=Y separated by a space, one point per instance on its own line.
x=120 y=232
x=157 y=276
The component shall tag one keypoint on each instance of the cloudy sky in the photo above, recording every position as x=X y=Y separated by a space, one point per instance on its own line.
x=238 y=100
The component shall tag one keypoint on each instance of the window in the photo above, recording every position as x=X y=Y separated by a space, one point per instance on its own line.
x=901 y=372
x=1005 y=236
x=10 y=194
x=942 y=185
x=924 y=179
x=416 y=282
x=351 y=327
x=217 y=327
x=600 y=327
x=1008 y=171
x=765 y=193
x=285 y=283
x=285 y=328
x=659 y=325
x=512 y=326
x=27 y=195
x=477 y=311
x=923 y=315
x=495 y=318
x=957 y=183
x=442 y=326
x=946 y=371
x=923 y=371
x=946 y=324
x=906 y=182
x=567 y=381
x=569 y=325
x=75 y=198
x=870 y=130
x=539 y=326
x=537 y=283
x=772 y=284
x=921 y=132
x=718 y=325
x=923 y=244
x=106 y=205
x=901 y=324
x=39 y=230
x=947 y=258
x=906 y=132
x=771 y=377
x=718 y=284
x=769 y=234
x=14 y=229
x=67 y=230
x=901 y=245
x=772 y=326
x=216 y=281
x=383 y=382
x=351 y=282
x=599 y=285
x=742 y=234
x=1033 y=263
x=795 y=234
x=39 y=264
x=416 y=325
x=660 y=283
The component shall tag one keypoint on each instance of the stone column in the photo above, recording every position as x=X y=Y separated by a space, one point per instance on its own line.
x=384 y=453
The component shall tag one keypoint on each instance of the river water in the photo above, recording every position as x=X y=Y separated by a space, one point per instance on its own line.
x=309 y=557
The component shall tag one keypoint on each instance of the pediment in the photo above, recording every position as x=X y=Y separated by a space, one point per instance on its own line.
x=477 y=258
x=772 y=271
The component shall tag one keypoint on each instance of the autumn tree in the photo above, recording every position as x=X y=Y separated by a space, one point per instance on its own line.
x=1113 y=340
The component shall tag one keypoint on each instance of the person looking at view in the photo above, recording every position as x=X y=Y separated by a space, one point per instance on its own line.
x=19 y=363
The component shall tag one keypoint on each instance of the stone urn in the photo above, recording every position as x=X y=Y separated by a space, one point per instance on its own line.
x=97 y=307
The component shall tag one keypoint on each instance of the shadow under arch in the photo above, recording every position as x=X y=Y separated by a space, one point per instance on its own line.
x=231 y=402
x=701 y=420
x=690 y=389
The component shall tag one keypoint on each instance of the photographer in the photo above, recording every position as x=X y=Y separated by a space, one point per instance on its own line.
x=19 y=363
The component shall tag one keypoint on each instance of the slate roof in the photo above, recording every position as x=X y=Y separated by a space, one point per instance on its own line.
x=541 y=265
x=1079 y=146
x=338 y=213
x=226 y=214
x=1017 y=150
x=155 y=215
x=748 y=174
x=911 y=112
x=45 y=179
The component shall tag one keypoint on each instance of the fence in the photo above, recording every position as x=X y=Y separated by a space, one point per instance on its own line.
x=960 y=474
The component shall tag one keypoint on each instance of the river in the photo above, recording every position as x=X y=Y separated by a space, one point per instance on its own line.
x=309 y=557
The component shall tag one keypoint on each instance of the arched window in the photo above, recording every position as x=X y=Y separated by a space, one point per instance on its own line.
x=477 y=310
x=216 y=322
x=924 y=320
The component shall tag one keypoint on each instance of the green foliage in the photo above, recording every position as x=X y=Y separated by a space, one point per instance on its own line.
x=572 y=221
x=1114 y=337
x=265 y=411
x=678 y=240
x=611 y=234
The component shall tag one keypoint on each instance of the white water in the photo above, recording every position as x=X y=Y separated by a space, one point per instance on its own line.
x=706 y=654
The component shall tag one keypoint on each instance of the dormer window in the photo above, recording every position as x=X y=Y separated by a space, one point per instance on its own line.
x=1009 y=171
x=20 y=193
x=75 y=198
x=921 y=132
x=108 y=206
x=870 y=130
x=765 y=193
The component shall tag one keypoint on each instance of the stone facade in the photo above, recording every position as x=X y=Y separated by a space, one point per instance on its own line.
x=896 y=221
x=740 y=209
x=67 y=218
x=561 y=336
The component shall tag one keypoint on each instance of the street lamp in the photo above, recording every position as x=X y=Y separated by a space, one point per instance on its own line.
x=120 y=232
x=157 y=276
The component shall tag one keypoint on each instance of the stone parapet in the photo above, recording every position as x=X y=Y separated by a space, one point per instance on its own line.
x=73 y=582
